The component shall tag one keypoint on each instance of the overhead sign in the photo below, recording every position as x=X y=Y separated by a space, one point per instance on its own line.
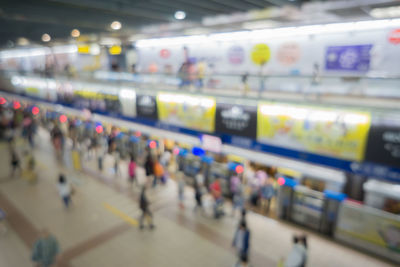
x=337 y=133
x=348 y=58
x=384 y=145
x=236 y=120
x=146 y=107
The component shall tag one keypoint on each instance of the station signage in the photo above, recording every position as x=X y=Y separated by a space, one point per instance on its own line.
x=239 y=120
x=146 y=107
x=384 y=145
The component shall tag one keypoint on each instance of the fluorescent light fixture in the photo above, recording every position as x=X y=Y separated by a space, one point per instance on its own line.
x=42 y=51
x=116 y=25
x=385 y=12
x=272 y=33
x=180 y=15
x=259 y=24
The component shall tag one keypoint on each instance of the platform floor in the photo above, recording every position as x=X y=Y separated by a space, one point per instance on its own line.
x=100 y=229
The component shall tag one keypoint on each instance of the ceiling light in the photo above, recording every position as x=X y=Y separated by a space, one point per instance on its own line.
x=116 y=25
x=22 y=41
x=385 y=12
x=75 y=33
x=179 y=15
x=46 y=37
x=260 y=24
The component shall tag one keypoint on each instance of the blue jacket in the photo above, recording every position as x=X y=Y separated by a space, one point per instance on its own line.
x=246 y=240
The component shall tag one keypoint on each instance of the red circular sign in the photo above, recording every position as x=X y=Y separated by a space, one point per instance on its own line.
x=165 y=53
x=394 y=37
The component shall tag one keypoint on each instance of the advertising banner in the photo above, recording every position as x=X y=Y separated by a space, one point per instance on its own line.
x=193 y=112
x=384 y=145
x=348 y=58
x=238 y=120
x=146 y=107
x=337 y=133
x=369 y=228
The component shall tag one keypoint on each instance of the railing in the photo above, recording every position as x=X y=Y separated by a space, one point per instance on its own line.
x=245 y=85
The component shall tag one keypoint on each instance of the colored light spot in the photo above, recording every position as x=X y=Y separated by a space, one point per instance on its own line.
x=99 y=129
x=175 y=151
x=153 y=144
x=239 y=169
x=63 y=118
x=138 y=134
x=35 y=110
x=281 y=181
x=16 y=105
x=2 y=101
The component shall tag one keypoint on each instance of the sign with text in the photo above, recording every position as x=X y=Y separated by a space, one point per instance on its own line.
x=237 y=120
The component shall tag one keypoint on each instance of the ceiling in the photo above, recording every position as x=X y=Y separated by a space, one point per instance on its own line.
x=30 y=19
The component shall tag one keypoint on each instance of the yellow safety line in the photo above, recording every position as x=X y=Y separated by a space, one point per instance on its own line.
x=120 y=214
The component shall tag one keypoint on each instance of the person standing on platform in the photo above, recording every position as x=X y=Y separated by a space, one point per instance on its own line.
x=267 y=192
x=181 y=188
x=298 y=255
x=116 y=163
x=238 y=198
x=198 y=194
x=144 y=207
x=64 y=189
x=45 y=250
x=158 y=173
x=216 y=192
x=132 y=171
x=241 y=241
x=149 y=166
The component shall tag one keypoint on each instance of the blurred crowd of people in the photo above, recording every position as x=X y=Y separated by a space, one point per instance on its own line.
x=76 y=142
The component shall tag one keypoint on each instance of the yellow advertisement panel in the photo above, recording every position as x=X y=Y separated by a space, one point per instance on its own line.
x=194 y=112
x=330 y=132
x=367 y=225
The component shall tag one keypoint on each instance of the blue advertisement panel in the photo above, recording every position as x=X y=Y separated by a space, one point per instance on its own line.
x=348 y=58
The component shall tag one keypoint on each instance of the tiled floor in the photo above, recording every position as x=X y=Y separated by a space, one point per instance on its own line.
x=93 y=234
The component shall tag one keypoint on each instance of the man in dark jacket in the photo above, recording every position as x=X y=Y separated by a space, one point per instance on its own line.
x=144 y=206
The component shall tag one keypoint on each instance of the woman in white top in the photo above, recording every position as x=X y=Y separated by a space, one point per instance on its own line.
x=64 y=189
x=298 y=255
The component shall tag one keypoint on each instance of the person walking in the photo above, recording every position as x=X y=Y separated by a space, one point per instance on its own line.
x=64 y=189
x=144 y=207
x=241 y=241
x=45 y=250
x=298 y=255
x=15 y=162
x=132 y=171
